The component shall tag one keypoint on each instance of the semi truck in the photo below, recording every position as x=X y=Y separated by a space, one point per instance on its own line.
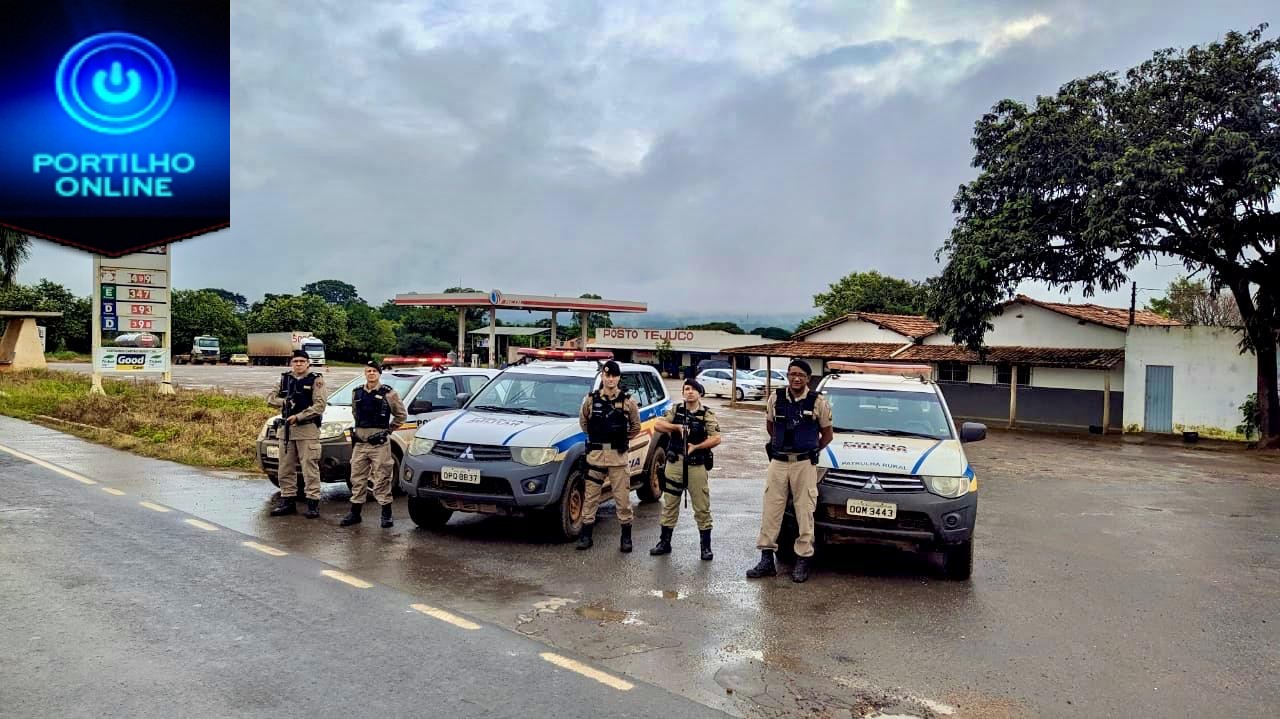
x=204 y=350
x=267 y=348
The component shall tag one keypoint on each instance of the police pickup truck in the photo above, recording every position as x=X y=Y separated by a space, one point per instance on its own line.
x=895 y=472
x=426 y=393
x=516 y=447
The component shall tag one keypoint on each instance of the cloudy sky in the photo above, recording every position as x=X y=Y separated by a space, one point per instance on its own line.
x=734 y=156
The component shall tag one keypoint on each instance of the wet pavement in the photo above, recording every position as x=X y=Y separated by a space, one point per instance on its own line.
x=1111 y=579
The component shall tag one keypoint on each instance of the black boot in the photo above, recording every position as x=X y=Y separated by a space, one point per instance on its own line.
x=625 y=544
x=664 y=543
x=706 y=544
x=353 y=515
x=286 y=505
x=765 y=568
x=313 y=509
x=584 y=537
x=386 y=516
x=800 y=572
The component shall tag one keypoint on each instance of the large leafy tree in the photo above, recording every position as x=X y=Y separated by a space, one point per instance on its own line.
x=1192 y=302
x=302 y=313
x=72 y=331
x=335 y=292
x=772 y=333
x=204 y=312
x=14 y=248
x=867 y=292
x=235 y=298
x=1179 y=158
x=730 y=327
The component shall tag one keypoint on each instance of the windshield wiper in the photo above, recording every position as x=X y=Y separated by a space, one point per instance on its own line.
x=488 y=408
x=908 y=433
x=859 y=431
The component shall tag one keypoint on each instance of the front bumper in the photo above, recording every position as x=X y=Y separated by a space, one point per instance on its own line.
x=335 y=458
x=923 y=519
x=502 y=488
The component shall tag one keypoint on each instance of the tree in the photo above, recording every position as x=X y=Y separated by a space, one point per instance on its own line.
x=426 y=330
x=772 y=333
x=204 y=312
x=302 y=313
x=15 y=247
x=867 y=292
x=335 y=292
x=1177 y=159
x=235 y=298
x=1191 y=302
x=72 y=331
x=367 y=333
x=595 y=319
x=730 y=327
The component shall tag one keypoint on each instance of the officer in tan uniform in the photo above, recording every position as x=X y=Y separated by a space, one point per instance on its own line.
x=799 y=424
x=378 y=411
x=611 y=420
x=694 y=431
x=301 y=398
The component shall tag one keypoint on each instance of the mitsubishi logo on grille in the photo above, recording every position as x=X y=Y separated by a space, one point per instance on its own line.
x=873 y=484
x=466 y=454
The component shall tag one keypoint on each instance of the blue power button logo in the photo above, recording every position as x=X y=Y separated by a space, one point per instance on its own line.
x=116 y=83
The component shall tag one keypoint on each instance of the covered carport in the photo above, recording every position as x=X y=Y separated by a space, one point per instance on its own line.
x=495 y=300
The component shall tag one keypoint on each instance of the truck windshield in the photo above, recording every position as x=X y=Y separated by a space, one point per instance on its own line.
x=400 y=383
x=520 y=393
x=880 y=411
x=313 y=346
x=206 y=342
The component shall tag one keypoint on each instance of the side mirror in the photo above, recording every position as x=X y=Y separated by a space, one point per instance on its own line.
x=461 y=398
x=420 y=406
x=973 y=432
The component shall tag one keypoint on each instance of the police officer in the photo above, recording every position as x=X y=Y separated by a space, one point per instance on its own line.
x=611 y=420
x=378 y=412
x=301 y=397
x=694 y=431
x=799 y=424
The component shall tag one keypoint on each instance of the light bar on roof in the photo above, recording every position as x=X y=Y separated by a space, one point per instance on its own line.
x=922 y=371
x=546 y=354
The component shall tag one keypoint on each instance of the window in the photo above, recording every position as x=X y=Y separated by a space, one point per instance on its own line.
x=718 y=374
x=656 y=390
x=533 y=394
x=888 y=412
x=473 y=383
x=953 y=372
x=632 y=383
x=1004 y=373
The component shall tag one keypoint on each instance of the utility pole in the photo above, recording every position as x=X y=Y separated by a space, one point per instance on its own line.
x=1133 y=304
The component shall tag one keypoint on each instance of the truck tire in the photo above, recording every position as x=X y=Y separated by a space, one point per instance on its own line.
x=564 y=520
x=651 y=490
x=957 y=561
x=428 y=513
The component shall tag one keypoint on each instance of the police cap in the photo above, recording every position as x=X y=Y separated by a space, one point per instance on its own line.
x=374 y=365
x=299 y=354
x=612 y=369
x=802 y=365
x=696 y=385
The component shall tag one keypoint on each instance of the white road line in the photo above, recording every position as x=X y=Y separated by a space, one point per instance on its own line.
x=51 y=467
x=444 y=616
x=154 y=507
x=265 y=549
x=586 y=671
x=202 y=525
x=113 y=490
x=346 y=579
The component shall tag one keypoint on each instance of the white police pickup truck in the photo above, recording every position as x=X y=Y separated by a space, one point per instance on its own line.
x=516 y=448
x=895 y=472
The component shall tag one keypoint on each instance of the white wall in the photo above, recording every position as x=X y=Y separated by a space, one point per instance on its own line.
x=982 y=374
x=856 y=331
x=1091 y=379
x=1024 y=325
x=1210 y=377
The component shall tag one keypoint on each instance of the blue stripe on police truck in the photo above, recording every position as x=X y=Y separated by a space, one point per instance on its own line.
x=445 y=433
x=923 y=457
x=832 y=456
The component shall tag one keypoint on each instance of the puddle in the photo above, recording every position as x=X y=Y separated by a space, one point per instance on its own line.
x=607 y=616
x=667 y=594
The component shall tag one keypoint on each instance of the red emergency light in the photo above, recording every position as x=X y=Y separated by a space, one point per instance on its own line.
x=570 y=355
x=923 y=371
x=388 y=362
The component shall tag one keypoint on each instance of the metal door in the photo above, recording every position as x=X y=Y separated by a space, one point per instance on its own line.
x=1159 y=399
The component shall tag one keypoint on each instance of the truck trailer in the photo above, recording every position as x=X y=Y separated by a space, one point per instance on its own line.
x=275 y=348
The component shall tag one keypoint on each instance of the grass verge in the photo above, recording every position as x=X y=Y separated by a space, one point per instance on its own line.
x=199 y=428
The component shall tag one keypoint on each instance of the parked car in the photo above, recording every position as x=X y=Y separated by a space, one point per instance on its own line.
x=426 y=393
x=719 y=382
x=706 y=364
x=896 y=472
x=238 y=358
x=516 y=447
x=779 y=376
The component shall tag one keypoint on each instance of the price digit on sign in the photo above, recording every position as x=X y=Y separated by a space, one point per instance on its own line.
x=141 y=324
x=139 y=278
x=138 y=294
x=141 y=309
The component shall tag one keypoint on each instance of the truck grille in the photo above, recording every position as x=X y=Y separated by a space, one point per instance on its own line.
x=497 y=486
x=872 y=482
x=911 y=521
x=472 y=452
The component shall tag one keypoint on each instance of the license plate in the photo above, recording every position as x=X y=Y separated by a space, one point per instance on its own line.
x=273 y=451
x=460 y=474
x=873 y=510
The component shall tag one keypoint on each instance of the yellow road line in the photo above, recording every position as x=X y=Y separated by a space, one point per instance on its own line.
x=586 y=671
x=347 y=579
x=113 y=490
x=265 y=549
x=202 y=525
x=154 y=507
x=51 y=467
x=444 y=616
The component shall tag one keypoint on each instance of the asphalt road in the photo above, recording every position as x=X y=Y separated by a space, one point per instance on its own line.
x=118 y=608
x=239 y=379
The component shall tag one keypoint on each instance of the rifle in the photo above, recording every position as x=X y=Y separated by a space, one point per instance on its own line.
x=684 y=464
x=286 y=407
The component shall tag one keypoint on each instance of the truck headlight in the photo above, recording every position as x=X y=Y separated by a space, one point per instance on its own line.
x=262 y=434
x=329 y=430
x=947 y=486
x=420 y=445
x=534 y=456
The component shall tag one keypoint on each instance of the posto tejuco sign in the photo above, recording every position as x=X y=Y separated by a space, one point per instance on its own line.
x=116 y=122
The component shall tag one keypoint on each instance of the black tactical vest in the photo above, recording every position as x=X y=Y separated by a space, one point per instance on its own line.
x=299 y=394
x=608 y=422
x=371 y=409
x=697 y=424
x=795 y=426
